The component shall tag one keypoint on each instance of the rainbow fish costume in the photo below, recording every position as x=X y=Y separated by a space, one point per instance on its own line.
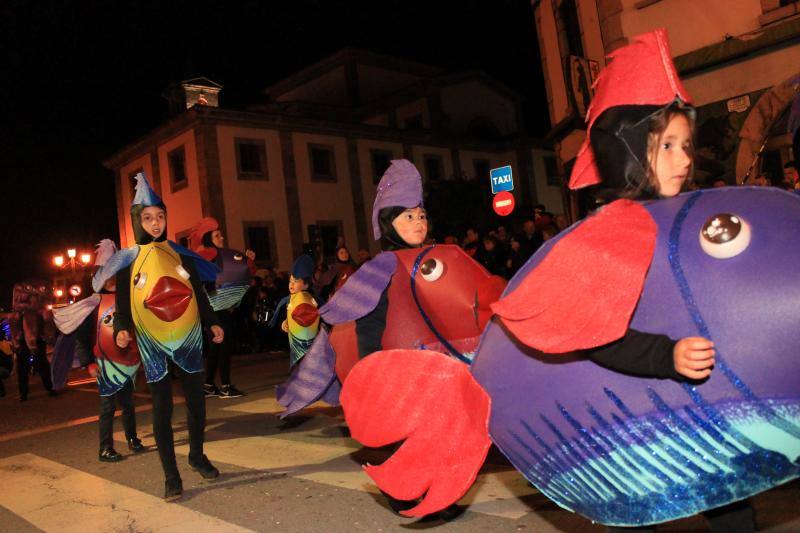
x=164 y=294
x=302 y=315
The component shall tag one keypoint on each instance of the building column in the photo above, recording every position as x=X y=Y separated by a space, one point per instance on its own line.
x=456 y=163
x=121 y=211
x=292 y=193
x=527 y=178
x=212 y=199
x=357 y=190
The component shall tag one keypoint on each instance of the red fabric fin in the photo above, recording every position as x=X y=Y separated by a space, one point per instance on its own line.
x=585 y=290
x=433 y=402
x=488 y=292
x=305 y=314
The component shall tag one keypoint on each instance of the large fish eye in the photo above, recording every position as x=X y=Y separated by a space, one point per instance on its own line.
x=108 y=320
x=182 y=272
x=238 y=257
x=724 y=236
x=432 y=269
x=139 y=280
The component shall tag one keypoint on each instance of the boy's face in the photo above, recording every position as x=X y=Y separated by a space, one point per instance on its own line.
x=154 y=221
x=297 y=285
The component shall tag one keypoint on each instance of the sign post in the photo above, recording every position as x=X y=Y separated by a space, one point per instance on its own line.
x=502 y=180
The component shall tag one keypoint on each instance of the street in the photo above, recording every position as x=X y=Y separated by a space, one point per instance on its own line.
x=302 y=474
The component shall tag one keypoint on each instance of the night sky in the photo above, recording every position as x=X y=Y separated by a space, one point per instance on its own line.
x=82 y=79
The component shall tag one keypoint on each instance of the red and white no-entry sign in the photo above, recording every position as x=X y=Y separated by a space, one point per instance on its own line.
x=503 y=203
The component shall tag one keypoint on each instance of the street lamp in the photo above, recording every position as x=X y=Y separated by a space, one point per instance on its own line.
x=74 y=261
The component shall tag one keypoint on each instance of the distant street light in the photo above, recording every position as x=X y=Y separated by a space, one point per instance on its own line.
x=75 y=262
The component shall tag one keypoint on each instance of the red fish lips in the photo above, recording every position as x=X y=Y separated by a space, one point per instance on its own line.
x=169 y=299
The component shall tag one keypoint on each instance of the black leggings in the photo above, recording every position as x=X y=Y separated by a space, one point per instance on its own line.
x=219 y=355
x=161 y=392
x=108 y=404
x=40 y=363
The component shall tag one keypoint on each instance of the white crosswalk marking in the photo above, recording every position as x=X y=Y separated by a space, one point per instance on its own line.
x=56 y=497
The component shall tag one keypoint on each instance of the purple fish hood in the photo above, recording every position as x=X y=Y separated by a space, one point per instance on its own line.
x=624 y=450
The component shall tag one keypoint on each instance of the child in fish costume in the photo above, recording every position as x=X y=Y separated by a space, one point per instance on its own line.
x=302 y=316
x=90 y=321
x=225 y=294
x=620 y=449
x=162 y=303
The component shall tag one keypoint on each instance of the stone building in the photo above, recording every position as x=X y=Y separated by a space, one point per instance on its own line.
x=739 y=59
x=308 y=160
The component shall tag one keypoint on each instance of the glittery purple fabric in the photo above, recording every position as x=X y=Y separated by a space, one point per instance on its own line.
x=401 y=185
x=312 y=379
x=625 y=450
x=362 y=291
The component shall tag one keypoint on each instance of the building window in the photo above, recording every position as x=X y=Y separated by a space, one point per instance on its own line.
x=381 y=159
x=322 y=162
x=551 y=171
x=331 y=236
x=568 y=12
x=251 y=159
x=182 y=238
x=433 y=167
x=414 y=122
x=481 y=168
x=259 y=236
x=177 y=169
x=132 y=182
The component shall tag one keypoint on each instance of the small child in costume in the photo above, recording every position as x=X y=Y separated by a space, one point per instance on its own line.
x=302 y=316
x=161 y=300
x=91 y=322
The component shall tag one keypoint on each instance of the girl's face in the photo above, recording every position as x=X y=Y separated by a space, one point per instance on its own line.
x=673 y=157
x=217 y=238
x=412 y=226
x=154 y=220
x=343 y=255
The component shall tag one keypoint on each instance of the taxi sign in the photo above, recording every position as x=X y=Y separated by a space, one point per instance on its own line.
x=502 y=179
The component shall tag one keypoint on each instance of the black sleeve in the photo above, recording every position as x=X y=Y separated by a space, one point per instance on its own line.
x=83 y=339
x=122 y=305
x=638 y=354
x=207 y=315
x=370 y=328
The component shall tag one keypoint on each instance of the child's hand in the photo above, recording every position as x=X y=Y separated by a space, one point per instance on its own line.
x=219 y=334
x=92 y=368
x=693 y=357
x=285 y=326
x=123 y=339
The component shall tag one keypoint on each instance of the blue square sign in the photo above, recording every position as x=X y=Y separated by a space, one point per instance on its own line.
x=502 y=179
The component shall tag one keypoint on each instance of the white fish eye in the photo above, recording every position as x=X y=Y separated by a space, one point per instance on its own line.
x=724 y=236
x=108 y=320
x=432 y=269
x=139 y=280
x=182 y=272
x=238 y=257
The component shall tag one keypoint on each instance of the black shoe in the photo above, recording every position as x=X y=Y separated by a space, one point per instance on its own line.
x=52 y=393
x=135 y=445
x=110 y=455
x=451 y=512
x=210 y=390
x=205 y=468
x=173 y=489
x=23 y=397
x=229 y=391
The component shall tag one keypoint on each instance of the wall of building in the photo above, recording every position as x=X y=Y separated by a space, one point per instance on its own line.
x=328 y=88
x=410 y=110
x=692 y=24
x=418 y=158
x=546 y=194
x=555 y=84
x=324 y=201
x=376 y=82
x=254 y=201
x=467 y=159
x=183 y=206
x=463 y=102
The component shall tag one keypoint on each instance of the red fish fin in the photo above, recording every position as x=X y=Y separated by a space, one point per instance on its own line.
x=432 y=403
x=585 y=290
